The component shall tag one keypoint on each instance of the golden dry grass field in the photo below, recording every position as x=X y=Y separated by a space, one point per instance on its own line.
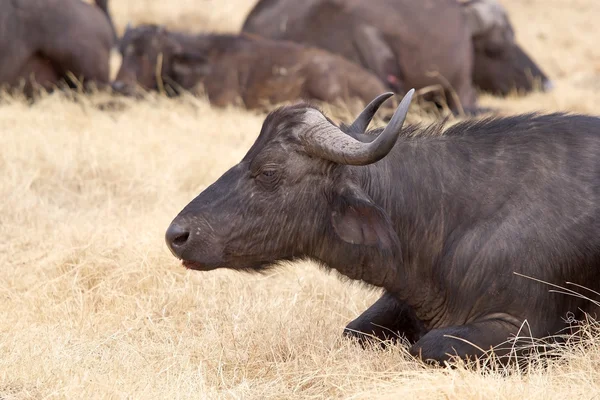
x=93 y=305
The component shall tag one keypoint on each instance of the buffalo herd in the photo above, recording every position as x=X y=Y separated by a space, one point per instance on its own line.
x=466 y=228
x=247 y=69
x=333 y=51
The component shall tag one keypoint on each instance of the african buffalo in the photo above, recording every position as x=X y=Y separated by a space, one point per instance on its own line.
x=256 y=70
x=45 y=40
x=401 y=48
x=409 y=43
x=446 y=220
x=500 y=64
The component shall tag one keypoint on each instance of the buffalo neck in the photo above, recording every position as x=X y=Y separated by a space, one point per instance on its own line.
x=421 y=184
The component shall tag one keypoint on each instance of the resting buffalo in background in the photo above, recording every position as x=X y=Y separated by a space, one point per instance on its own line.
x=500 y=64
x=444 y=222
x=402 y=40
x=44 y=40
x=406 y=43
x=256 y=70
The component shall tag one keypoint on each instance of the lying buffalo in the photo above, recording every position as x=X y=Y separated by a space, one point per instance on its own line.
x=500 y=64
x=44 y=42
x=406 y=43
x=256 y=70
x=448 y=222
x=409 y=43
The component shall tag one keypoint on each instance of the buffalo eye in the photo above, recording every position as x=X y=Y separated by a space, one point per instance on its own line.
x=268 y=176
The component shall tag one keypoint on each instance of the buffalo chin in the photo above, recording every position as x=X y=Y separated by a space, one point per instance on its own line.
x=259 y=267
x=196 y=266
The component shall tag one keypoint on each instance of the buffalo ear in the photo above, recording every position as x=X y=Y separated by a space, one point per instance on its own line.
x=356 y=219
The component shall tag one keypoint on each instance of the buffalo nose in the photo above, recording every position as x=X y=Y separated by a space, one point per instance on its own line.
x=177 y=237
x=118 y=85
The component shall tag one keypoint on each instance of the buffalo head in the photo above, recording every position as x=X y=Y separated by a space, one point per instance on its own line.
x=500 y=64
x=295 y=194
x=151 y=52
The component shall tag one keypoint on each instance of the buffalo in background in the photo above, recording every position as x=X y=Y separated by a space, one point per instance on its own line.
x=405 y=43
x=457 y=46
x=46 y=40
x=240 y=68
x=500 y=64
x=408 y=43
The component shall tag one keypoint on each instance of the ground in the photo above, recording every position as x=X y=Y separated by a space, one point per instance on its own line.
x=94 y=306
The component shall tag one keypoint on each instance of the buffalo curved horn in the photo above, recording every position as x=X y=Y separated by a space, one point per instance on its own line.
x=361 y=123
x=327 y=141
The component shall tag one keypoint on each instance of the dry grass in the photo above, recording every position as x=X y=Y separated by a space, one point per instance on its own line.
x=94 y=306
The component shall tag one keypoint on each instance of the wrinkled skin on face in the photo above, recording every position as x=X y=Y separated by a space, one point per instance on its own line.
x=266 y=223
x=448 y=224
x=258 y=186
x=295 y=195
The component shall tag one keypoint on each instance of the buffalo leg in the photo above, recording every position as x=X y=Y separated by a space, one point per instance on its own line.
x=387 y=319
x=465 y=341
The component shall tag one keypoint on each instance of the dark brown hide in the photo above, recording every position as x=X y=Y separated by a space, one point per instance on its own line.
x=103 y=5
x=445 y=223
x=257 y=71
x=406 y=43
x=52 y=38
x=511 y=70
x=501 y=66
x=37 y=74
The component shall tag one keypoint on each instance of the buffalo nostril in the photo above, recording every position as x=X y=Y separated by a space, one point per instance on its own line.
x=118 y=85
x=176 y=237
x=181 y=239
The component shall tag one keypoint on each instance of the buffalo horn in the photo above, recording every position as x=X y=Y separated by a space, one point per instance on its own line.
x=361 y=123
x=324 y=140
